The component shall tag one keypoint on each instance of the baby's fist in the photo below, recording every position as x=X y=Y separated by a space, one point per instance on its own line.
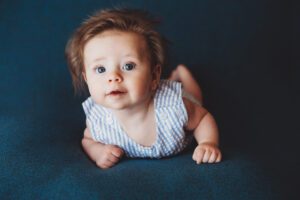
x=207 y=153
x=109 y=156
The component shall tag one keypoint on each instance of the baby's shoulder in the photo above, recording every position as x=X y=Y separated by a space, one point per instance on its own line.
x=92 y=110
x=168 y=93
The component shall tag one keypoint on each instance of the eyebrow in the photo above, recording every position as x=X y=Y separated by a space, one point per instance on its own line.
x=126 y=55
x=98 y=59
x=131 y=55
x=95 y=60
x=138 y=55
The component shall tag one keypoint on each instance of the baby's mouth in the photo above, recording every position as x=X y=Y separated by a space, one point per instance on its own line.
x=115 y=93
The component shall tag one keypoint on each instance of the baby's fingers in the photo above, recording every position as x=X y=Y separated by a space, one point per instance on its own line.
x=112 y=158
x=198 y=155
x=215 y=157
x=108 y=161
x=206 y=156
x=104 y=163
x=219 y=158
x=117 y=152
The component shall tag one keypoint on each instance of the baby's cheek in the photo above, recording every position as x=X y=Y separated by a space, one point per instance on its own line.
x=143 y=90
x=96 y=94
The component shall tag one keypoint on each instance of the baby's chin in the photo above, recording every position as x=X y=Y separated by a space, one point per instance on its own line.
x=102 y=101
x=114 y=105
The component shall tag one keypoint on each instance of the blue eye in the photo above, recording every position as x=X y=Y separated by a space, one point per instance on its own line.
x=128 y=66
x=100 y=70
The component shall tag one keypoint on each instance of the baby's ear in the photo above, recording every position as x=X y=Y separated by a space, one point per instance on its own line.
x=156 y=76
x=84 y=76
x=157 y=72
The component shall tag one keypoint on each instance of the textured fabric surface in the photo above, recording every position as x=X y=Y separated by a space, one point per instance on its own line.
x=245 y=55
x=42 y=160
x=170 y=118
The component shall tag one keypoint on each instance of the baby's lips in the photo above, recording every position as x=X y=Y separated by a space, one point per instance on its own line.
x=115 y=92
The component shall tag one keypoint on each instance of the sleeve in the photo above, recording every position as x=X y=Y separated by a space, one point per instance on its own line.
x=91 y=117
x=190 y=97
x=182 y=109
x=169 y=96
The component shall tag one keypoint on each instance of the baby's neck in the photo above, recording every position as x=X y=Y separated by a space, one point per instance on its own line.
x=139 y=123
x=130 y=117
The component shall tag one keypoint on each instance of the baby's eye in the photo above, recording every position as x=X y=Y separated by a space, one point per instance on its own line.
x=100 y=70
x=128 y=66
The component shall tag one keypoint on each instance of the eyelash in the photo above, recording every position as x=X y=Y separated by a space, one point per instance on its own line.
x=100 y=67
x=123 y=68
x=133 y=66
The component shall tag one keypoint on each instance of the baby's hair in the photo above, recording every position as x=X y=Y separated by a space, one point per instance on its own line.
x=128 y=20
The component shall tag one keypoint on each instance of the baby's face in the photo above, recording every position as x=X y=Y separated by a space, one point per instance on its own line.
x=118 y=70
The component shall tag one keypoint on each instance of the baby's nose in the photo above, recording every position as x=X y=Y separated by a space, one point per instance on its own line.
x=114 y=77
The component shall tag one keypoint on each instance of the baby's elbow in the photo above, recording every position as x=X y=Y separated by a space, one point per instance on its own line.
x=87 y=133
x=84 y=142
x=86 y=137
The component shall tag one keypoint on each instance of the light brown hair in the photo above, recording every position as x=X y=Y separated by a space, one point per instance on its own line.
x=128 y=20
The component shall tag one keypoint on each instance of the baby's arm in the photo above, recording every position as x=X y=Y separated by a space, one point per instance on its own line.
x=104 y=155
x=205 y=132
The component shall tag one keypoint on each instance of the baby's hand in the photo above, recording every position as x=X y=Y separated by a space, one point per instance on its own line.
x=109 y=156
x=206 y=152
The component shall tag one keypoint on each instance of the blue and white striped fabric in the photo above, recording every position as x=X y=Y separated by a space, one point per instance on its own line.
x=170 y=115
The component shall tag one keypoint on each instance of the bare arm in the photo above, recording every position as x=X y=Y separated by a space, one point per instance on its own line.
x=104 y=155
x=205 y=132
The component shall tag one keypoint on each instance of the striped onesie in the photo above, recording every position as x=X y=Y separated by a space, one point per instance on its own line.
x=170 y=116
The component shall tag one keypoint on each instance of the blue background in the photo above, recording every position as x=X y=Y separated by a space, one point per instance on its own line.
x=245 y=55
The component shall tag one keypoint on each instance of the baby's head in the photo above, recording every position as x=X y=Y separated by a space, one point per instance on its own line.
x=111 y=38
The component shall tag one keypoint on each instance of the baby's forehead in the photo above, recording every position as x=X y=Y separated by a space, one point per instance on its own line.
x=132 y=38
x=116 y=44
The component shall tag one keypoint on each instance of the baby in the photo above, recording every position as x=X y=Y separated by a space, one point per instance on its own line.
x=118 y=56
